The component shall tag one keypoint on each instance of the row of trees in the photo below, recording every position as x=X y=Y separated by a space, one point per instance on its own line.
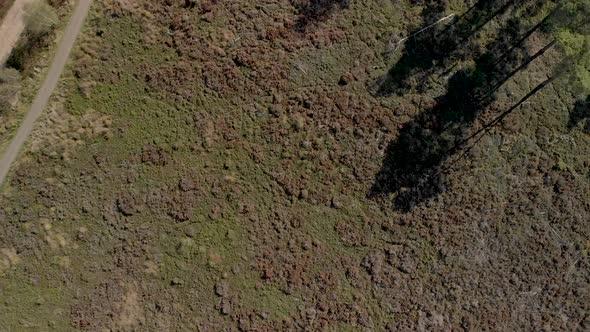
x=569 y=25
x=418 y=160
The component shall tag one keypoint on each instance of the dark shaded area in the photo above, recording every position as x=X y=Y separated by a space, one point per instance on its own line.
x=419 y=56
x=439 y=46
x=312 y=11
x=56 y=3
x=30 y=42
x=580 y=113
x=189 y=4
x=413 y=164
x=24 y=50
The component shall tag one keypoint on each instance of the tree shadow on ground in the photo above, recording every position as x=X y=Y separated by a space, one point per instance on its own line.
x=413 y=164
x=434 y=47
x=580 y=113
x=412 y=167
x=21 y=54
x=312 y=11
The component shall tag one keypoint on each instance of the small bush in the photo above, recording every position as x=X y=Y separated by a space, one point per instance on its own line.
x=40 y=18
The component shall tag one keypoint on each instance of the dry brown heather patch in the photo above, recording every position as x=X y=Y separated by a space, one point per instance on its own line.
x=60 y=131
x=210 y=168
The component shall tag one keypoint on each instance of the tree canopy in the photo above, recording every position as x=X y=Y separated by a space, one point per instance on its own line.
x=571 y=28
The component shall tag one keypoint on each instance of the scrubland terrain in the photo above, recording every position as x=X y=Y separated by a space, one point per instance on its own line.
x=296 y=165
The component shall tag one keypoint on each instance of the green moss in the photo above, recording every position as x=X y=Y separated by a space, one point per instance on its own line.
x=265 y=298
x=38 y=307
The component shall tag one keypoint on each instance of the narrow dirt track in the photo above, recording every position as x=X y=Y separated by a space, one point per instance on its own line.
x=57 y=66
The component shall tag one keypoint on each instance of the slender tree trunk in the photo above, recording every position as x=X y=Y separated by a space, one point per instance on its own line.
x=479 y=3
x=480 y=6
x=487 y=127
x=524 y=65
x=534 y=91
x=500 y=11
x=525 y=37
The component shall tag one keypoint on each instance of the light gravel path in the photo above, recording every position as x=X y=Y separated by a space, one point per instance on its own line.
x=61 y=56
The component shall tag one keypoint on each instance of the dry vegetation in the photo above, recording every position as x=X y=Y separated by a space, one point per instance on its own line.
x=25 y=69
x=213 y=164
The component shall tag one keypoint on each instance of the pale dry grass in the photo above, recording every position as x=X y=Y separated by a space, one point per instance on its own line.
x=130 y=309
x=61 y=132
x=8 y=259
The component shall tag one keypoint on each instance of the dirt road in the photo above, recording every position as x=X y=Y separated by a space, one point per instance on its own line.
x=59 y=61
x=11 y=28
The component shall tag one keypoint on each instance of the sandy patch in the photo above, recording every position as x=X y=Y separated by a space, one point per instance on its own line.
x=130 y=309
